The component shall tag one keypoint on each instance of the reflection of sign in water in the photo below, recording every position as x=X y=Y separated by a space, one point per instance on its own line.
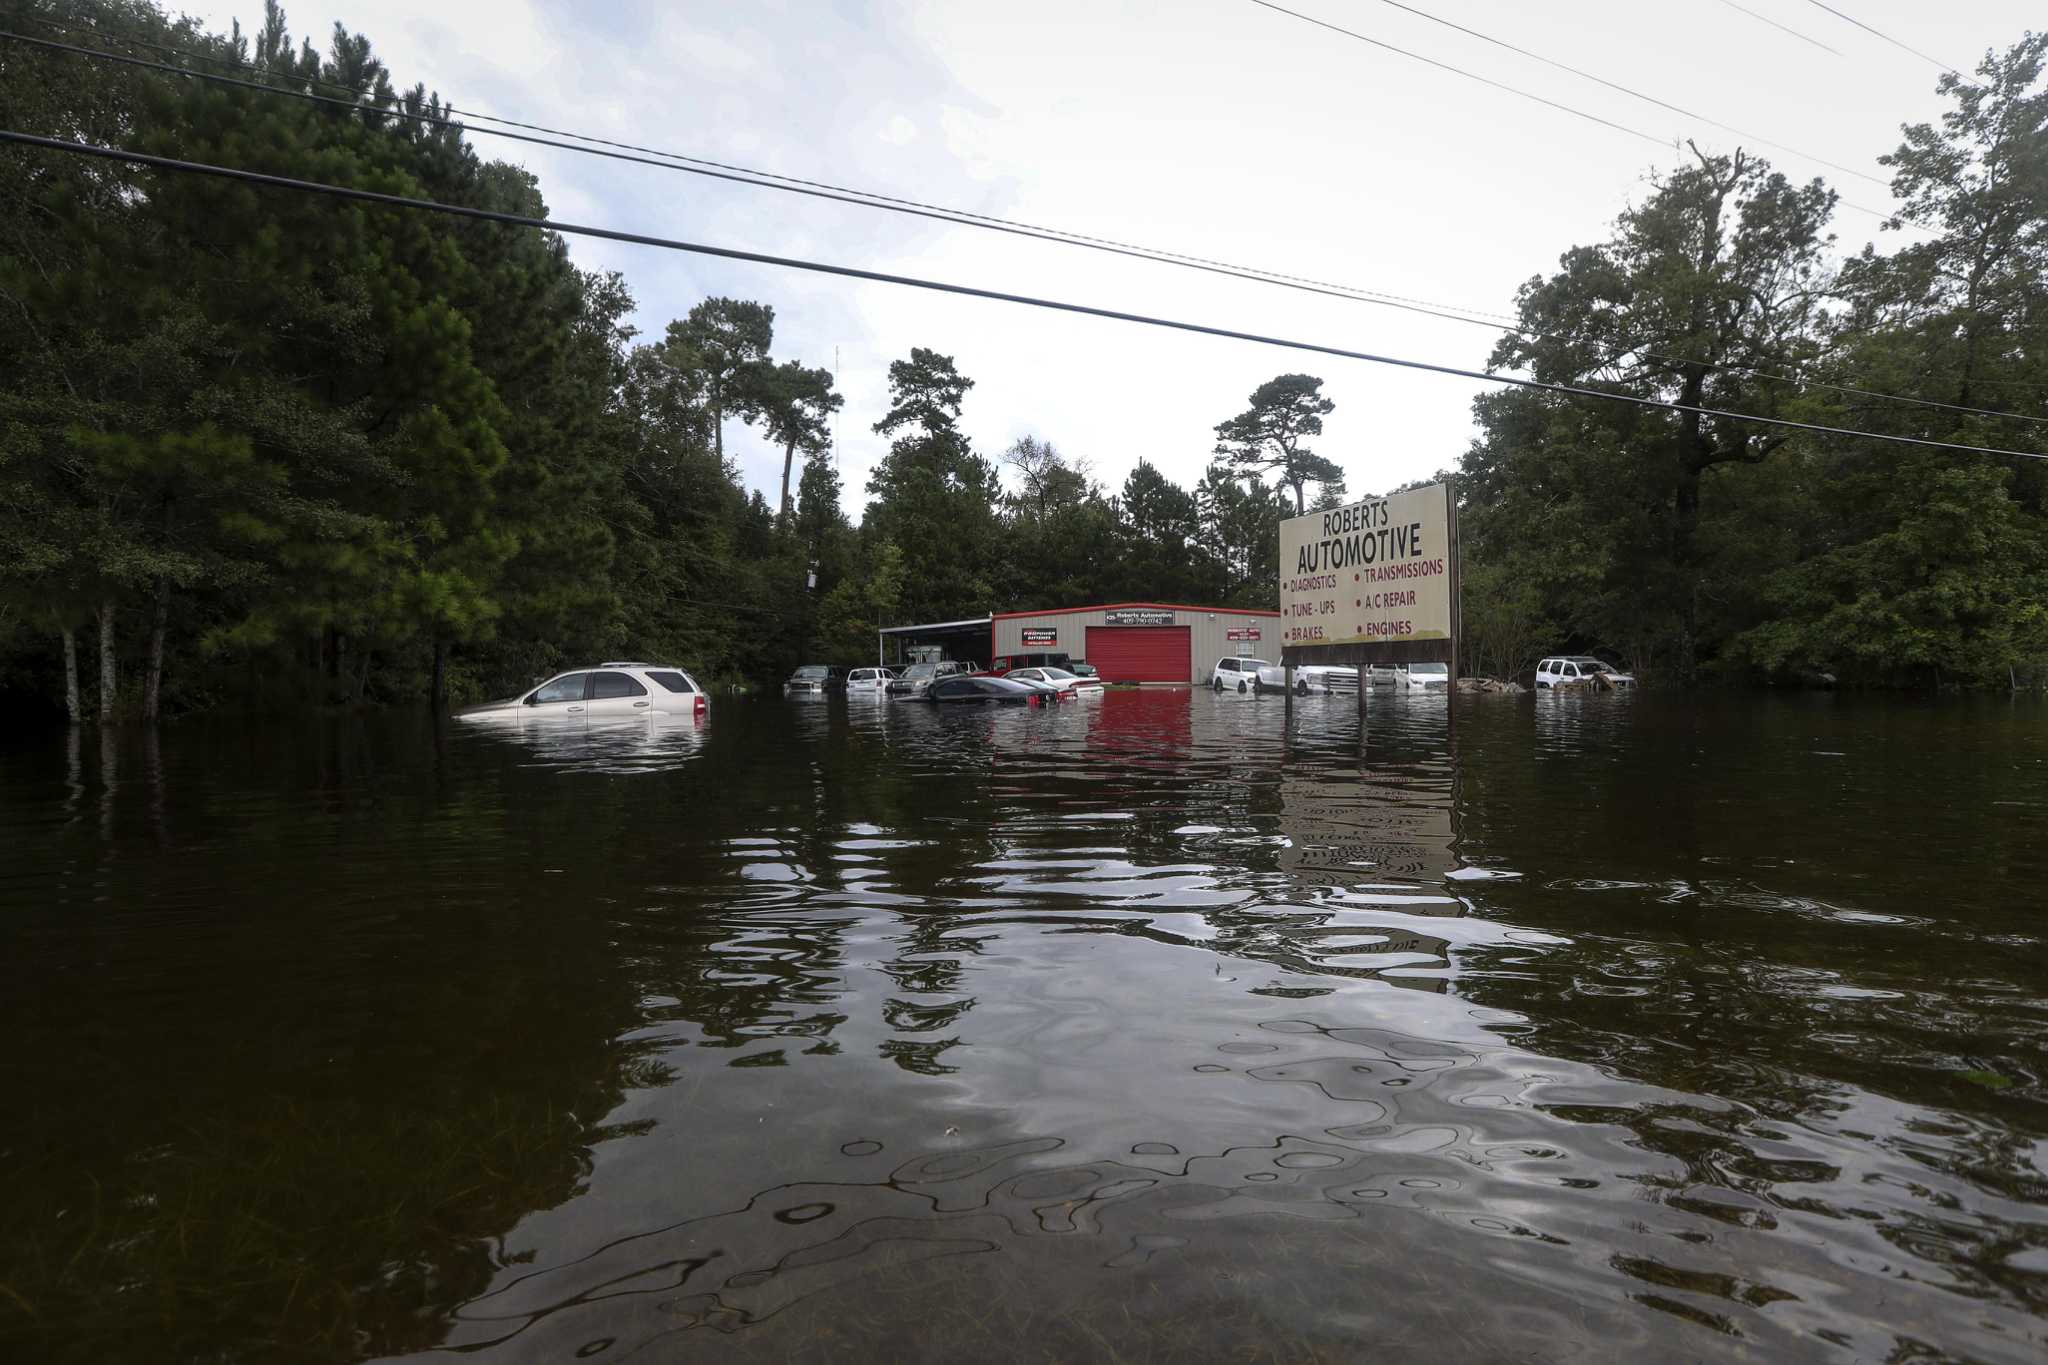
x=1241 y=633
x=1041 y=635
x=1344 y=829
x=1132 y=616
x=1386 y=840
x=1373 y=573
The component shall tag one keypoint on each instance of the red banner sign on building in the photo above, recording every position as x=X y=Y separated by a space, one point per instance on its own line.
x=1241 y=633
x=1040 y=635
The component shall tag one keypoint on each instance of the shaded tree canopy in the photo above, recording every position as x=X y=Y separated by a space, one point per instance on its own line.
x=1272 y=434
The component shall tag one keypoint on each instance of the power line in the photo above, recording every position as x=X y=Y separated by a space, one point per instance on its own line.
x=1886 y=37
x=865 y=199
x=1469 y=75
x=1668 y=142
x=467 y=118
x=1631 y=93
x=1766 y=19
x=963 y=290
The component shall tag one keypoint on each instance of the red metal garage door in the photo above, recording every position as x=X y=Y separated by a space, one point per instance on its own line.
x=1140 y=653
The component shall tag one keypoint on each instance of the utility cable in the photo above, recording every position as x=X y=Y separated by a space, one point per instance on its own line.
x=1886 y=37
x=1633 y=93
x=1766 y=19
x=315 y=187
x=1667 y=142
x=863 y=199
x=469 y=118
x=1469 y=75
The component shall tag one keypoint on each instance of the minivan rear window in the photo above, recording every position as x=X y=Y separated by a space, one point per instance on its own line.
x=672 y=680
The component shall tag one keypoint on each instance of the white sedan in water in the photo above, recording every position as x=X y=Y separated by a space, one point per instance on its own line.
x=1073 y=684
x=610 y=691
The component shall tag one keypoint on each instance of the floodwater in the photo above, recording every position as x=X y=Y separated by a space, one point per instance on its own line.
x=1605 y=1027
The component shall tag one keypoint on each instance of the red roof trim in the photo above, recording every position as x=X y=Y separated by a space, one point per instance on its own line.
x=1119 y=606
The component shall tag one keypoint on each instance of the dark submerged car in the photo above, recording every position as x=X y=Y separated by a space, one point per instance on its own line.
x=816 y=678
x=977 y=690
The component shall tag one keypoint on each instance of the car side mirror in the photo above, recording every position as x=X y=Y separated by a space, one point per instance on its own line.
x=532 y=699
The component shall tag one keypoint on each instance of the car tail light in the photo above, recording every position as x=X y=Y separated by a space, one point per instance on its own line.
x=700 y=707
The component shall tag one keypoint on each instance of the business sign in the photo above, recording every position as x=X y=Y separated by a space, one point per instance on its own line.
x=1380 y=574
x=1041 y=635
x=1130 y=616
x=1241 y=633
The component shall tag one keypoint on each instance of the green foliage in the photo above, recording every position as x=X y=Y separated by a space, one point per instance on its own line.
x=1158 y=532
x=932 y=496
x=1271 y=434
x=353 y=448
x=1683 y=542
x=861 y=604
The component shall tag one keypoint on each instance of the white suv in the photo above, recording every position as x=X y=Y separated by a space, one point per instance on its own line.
x=617 y=690
x=1239 y=675
x=873 y=682
x=1580 y=670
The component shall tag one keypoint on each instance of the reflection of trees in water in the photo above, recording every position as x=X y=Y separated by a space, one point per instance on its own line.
x=1800 y=1050
x=294 y=1073
x=280 y=1084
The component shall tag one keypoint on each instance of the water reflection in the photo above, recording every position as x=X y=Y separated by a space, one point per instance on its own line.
x=623 y=746
x=1135 y=1027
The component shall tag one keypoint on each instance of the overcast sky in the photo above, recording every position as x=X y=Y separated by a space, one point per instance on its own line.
x=1208 y=127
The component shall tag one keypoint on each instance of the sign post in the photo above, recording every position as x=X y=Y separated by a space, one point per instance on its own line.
x=1373 y=582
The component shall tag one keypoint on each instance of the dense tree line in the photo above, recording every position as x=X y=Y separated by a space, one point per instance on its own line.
x=1694 y=546
x=262 y=448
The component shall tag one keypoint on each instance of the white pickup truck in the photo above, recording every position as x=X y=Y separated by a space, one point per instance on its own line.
x=1256 y=675
x=1309 y=678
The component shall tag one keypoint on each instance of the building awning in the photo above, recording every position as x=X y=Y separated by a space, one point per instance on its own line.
x=941 y=627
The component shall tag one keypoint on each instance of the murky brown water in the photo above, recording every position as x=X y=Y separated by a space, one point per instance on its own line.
x=1618 y=1028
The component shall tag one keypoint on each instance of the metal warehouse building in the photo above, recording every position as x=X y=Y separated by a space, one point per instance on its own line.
x=1136 y=642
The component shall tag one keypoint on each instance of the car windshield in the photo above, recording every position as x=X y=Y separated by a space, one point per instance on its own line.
x=920 y=671
x=1430 y=670
x=812 y=671
x=1056 y=673
x=1583 y=662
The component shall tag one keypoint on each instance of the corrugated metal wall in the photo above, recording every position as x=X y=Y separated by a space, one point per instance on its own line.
x=1208 y=634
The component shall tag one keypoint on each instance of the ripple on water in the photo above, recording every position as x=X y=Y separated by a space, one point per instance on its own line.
x=886 y=1033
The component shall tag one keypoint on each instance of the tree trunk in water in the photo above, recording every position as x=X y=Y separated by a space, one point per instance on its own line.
x=153 y=678
x=788 y=458
x=107 y=678
x=71 y=707
x=440 y=689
